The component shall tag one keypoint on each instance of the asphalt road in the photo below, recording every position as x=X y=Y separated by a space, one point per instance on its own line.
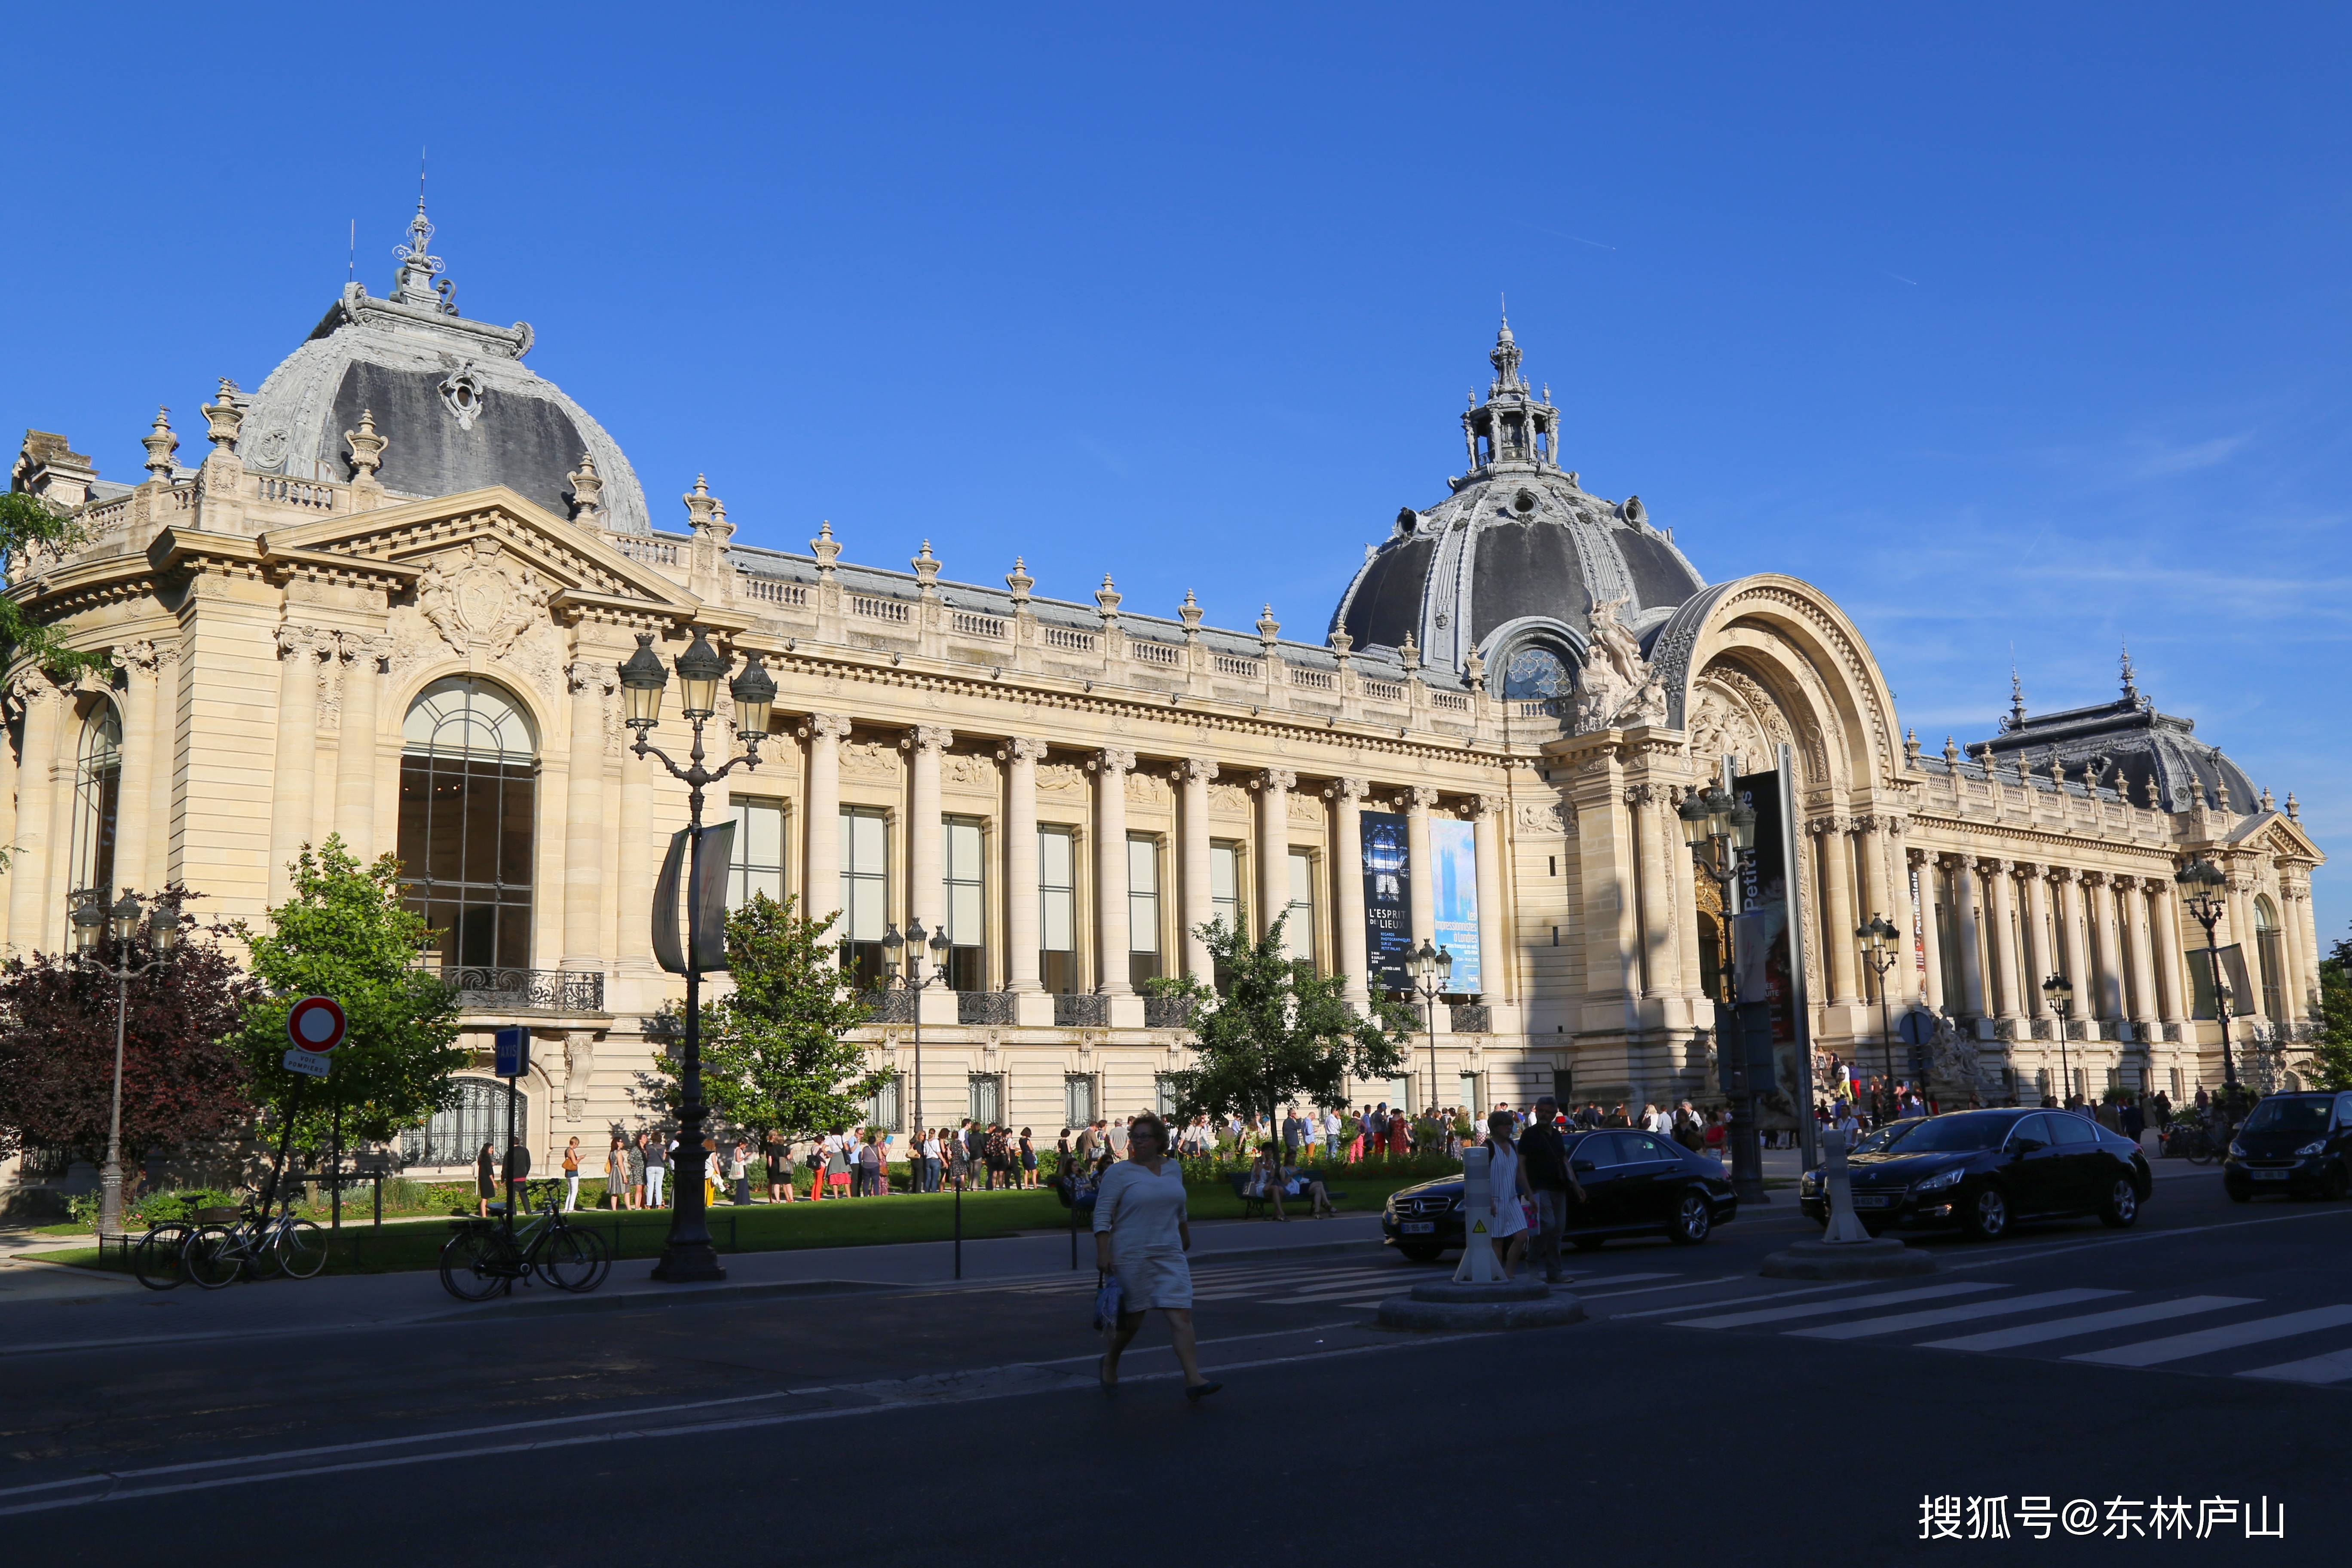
x=1702 y=1410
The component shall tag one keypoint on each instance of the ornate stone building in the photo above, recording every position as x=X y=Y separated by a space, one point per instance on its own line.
x=390 y=601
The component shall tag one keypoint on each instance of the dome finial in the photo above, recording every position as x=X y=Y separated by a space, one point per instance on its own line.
x=413 y=283
x=2016 y=697
x=2131 y=689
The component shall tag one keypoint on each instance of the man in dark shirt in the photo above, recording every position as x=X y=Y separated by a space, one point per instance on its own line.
x=1544 y=1157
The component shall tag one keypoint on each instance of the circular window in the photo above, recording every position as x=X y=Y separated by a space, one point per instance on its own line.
x=1525 y=502
x=1536 y=673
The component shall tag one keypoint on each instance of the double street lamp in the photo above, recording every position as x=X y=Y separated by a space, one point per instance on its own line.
x=2061 y=992
x=1879 y=949
x=1721 y=831
x=688 y=1253
x=2204 y=890
x=915 y=979
x=1432 y=970
x=92 y=922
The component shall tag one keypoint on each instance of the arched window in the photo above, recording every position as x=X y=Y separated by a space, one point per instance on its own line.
x=2272 y=957
x=455 y=1135
x=1533 y=672
x=467 y=772
x=98 y=799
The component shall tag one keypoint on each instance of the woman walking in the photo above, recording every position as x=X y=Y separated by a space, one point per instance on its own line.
x=486 y=1177
x=1506 y=1192
x=572 y=1176
x=1141 y=1234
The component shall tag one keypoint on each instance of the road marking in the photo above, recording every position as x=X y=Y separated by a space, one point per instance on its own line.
x=1820 y=1309
x=1898 y=1322
x=2089 y=1323
x=1653 y=1290
x=2204 y=1341
x=985 y=1383
x=2027 y=1253
x=1743 y=1301
x=2332 y=1367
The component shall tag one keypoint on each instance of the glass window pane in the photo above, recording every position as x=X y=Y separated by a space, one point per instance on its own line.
x=1053 y=857
x=1224 y=877
x=1054 y=909
x=761 y=840
x=1142 y=865
x=964 y=925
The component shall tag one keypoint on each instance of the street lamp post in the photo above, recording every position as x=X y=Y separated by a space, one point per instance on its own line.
x=2204 y=890
x=1431 y=969
x=1721 y=831
x=1878 y=951
x=2061 y=1002
x=688 y=1253
x=91 y=921
x=915 y=981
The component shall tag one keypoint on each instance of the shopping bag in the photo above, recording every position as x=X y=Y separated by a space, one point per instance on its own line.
x=1108 y=1298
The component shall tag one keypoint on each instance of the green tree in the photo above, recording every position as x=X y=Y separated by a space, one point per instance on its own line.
x=776 y=1056
x=2331 y=1059
x=1274 y=1031
x=343 y=933
x=29 y=525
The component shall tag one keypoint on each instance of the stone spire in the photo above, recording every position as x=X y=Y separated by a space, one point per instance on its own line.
x=2131 y=687
x=2016 y=700
x=1505 y=357
x=1513 y=428
x=414 y=283
x=160 y=444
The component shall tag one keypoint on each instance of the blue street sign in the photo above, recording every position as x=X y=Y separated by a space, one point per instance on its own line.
x=513 y=1052
x=1917 y=1027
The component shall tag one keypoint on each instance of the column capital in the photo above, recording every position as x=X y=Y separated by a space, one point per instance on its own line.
x=1993 y=865
x=1421 y=797
x=825 y=727
x=33 y=686
x=1829 y=825
x=2094 y=878
x=295 y=641
x=1347 y=789
x=1196 y=768
x=1487 y=805
x=1020 y=749
x=1277 y=779
x=1113 y=760
x=928 y=738
x=1917 y=856
x=136 y=657
x=1641 y=794
x=586 y=675
x=2062 y=875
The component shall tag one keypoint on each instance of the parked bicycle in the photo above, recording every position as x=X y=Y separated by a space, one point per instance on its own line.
x=2193 y=1142
x=256 y=1247
x=485 y=1257
x=156 y=1257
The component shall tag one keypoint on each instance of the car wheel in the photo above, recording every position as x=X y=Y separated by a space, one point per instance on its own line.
x=1419 y=1252
x=1693 y=1217
x=1585 y=1243
x=2122 y=1206
x=2241 y=1194
x=2337 y=1183
x=1986 y=1218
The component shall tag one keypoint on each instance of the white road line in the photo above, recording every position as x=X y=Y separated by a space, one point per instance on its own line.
x=2332 y=1367
x=2027 y=1252
x=1653 y=1290
x=2089 y=1323
x=1738 y=1300
x=2204 y=1341
x=1966 y=1311
x=1845 y=1304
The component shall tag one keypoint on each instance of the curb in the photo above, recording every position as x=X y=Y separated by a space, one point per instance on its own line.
x=673 y=1296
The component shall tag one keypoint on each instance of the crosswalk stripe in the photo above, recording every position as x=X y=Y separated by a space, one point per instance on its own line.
x=1898 y=1322
x=2204 y=1341
x=2334 y=1367
x=2089 y=1323
x=1845 y=1304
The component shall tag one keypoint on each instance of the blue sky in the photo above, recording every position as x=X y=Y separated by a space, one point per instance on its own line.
x=2011 y=327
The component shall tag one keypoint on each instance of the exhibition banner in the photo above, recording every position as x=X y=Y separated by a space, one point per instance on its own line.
x=1388 y=902
x=1454 y=845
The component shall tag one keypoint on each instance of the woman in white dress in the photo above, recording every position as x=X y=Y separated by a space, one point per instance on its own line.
x=1507 y=1185
x=1141 y=1234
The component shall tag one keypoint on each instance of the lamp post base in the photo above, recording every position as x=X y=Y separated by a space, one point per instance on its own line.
x=688 y=1263
x=110 y=1199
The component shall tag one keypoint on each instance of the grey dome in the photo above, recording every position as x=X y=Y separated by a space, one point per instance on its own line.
x=2124 y=744
x=1518 y=548
x=450 y=395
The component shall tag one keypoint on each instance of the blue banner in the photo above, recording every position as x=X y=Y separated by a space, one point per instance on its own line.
x=1388 y=902
x=1454 y=847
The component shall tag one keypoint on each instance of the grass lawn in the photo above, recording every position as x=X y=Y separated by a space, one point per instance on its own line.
x=774 y=1227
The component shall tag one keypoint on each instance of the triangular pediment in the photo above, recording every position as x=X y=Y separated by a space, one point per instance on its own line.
x=438 y=530
x=2275 y=834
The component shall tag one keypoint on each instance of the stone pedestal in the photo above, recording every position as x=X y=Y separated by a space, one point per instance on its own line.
x=1504 y=1304
x=1882 y=1258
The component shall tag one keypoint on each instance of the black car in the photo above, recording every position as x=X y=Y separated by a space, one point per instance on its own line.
x=1983 y=1170
x=2294 y=1143
x=1635 y=1184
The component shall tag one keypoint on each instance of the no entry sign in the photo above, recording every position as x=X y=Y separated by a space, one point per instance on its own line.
x=315 y=1024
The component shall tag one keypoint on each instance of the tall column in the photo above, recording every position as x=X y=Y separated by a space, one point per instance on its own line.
x=1970 y=935
x=355 y=772
x=1493 y=950
x=583 y=811
x=2044 y=962
x=1838 y=918
x=1931 y=941
x=1192 y=776
x=297 y=739
x=1348 y=889
x=7 y=816
x=821 y=882
x=1021 y=756
x=2102 y=901
x=1879 y=895
x=1111 y=768
x=1275 y=785
x=2172 y=980
x=1653 y=920
x=2306 y=931
x=2138 y=897
x=2076 y=948
x=927 y=873
x=132 y=821
x=167 y=759
x=632 y=869
x=1420 y=875
x=30 y=919
x=2007 y=981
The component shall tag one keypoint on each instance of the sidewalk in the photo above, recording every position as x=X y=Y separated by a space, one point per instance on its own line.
x=96 y=1311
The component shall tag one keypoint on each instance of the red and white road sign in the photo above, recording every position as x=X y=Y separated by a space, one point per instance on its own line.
x=315 y=1025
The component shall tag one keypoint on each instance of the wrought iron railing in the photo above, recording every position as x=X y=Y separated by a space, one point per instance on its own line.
x=490 y=990
x=984 y=1007
x=891 y=1006
x=1081 y=1010
x=1473 y=1018
x=1167 y=1012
